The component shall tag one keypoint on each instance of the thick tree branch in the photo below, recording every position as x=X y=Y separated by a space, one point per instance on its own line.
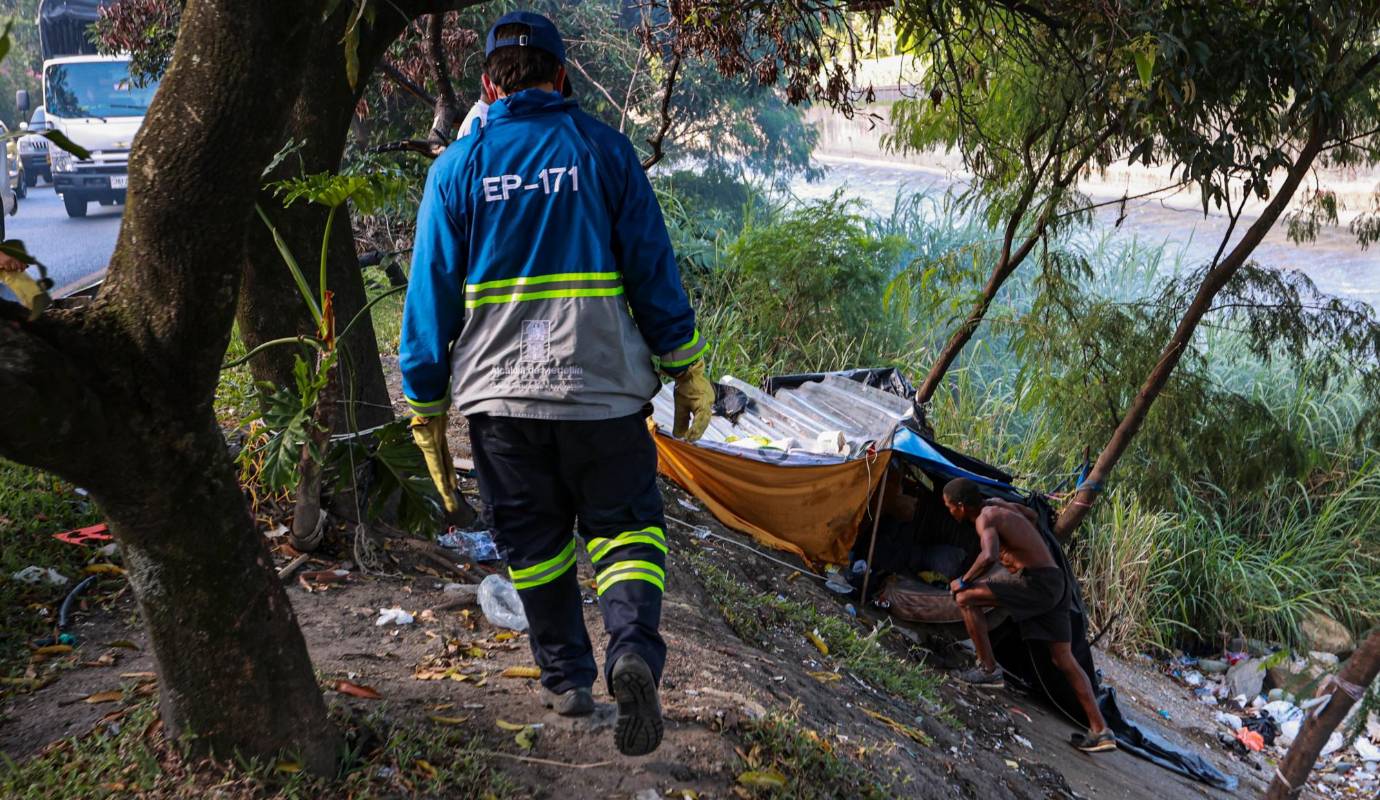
x=447 y=105
x=659 y=137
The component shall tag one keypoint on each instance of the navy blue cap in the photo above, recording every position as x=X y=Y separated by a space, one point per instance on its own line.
x=543 y=35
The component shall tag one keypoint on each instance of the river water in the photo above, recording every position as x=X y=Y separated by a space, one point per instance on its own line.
x=1335 y=262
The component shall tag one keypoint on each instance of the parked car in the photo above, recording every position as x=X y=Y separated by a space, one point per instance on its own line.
x=33 y=149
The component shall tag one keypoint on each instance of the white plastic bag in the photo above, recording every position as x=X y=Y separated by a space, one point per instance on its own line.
x=501 y=604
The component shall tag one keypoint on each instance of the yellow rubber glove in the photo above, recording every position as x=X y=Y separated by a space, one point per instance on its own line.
x=430 y=435
x=694 y=397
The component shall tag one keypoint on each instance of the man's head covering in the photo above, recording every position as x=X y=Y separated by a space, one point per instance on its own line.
x=542 y=34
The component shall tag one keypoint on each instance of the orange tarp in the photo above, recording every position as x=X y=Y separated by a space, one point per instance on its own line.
x=812 y=511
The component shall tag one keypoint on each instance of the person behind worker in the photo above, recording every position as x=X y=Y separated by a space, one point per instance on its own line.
x=543 y=300
x=1033 y=590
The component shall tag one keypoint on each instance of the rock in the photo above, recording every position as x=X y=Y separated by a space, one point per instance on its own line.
x=1321 y=632
x=1299 y=677
x=1246 y=679
x=1212 y=666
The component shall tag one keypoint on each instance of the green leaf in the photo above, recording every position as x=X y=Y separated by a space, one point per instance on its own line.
x=5 y=42
x=60 y=139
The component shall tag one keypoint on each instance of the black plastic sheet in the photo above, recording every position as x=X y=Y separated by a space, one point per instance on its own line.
x=888 y=379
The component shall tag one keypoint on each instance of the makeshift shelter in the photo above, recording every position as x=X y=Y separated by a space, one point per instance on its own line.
x=810 y=463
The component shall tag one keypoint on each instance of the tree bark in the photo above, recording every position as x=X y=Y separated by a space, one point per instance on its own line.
x=1216 y=278
x=1356 y=674
x=270 y=305
x=1006 y=265
x=117 y=396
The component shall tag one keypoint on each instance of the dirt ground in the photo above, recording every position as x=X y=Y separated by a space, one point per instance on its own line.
x=713 y=681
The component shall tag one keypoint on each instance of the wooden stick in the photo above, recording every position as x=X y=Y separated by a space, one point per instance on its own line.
x=876 y=522
x=546 y=761
x=1346 y=688
x=292 y=565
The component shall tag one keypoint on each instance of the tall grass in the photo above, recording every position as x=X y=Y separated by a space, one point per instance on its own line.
x=1246 y=504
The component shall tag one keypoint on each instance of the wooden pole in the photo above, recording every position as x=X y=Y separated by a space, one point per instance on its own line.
x=872 y=545
x=1346 y=688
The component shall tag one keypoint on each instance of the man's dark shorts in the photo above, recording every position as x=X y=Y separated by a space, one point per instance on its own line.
x=1038 y=599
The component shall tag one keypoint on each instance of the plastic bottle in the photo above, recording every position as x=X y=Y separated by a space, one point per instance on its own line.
x=501 y=604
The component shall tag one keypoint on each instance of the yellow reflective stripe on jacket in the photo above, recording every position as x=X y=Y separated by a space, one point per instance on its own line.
x=544 y=287
x=517 y=297
x=631 y=571
x=686 y=354
x=533 y=280
x=545 y=572
x=430 y=408
x=652 y=535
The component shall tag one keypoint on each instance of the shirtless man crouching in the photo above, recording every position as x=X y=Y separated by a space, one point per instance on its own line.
x=1033 y=590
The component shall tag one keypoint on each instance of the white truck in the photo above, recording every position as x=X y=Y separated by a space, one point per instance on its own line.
x=91 y=100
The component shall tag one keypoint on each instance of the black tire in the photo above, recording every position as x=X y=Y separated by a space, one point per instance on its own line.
x=76 y=206
x=30 y=180
x=22 y=190
x=48 y=176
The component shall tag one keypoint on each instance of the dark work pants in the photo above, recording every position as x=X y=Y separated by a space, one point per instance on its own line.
x=536 y=478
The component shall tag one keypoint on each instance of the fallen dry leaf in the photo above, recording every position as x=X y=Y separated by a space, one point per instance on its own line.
x=506 y=636
x=140 y=676
x=825 y=676
x=526 y=737
x=425 y=767
x=763 y=779
x=440 y=720
x=819 y=644
x=104 y=697
x=357 y=690
x=125 y=643
x=103 y=569
x=53 y=650
x=289 y=767
x=508 y=726
x=522 y=672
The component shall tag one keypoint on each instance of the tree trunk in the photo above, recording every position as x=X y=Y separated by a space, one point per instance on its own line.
x=117 y=396
x=1356 y=674
x=270 y=305
x=1213 y=282
x=1006 y=265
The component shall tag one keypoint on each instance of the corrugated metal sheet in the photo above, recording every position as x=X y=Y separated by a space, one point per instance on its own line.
x=805 y=419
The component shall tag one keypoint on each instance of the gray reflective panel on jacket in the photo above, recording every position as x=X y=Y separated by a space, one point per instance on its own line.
x=552 y=357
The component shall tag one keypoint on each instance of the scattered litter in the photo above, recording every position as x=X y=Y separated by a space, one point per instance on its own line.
x=1334 y=743
x=1019 y=712
x=687 y=505
x=476 y=545
x=276 y=532
x=1252 y=740
x=1023 y=742
x=394 y=615
x=1232 y=721
x=36 y=574
x=1164 y=713
x=357 y=690
x=85 y=536
x=500 y=602
x=1012 y=764
x=1366 y=749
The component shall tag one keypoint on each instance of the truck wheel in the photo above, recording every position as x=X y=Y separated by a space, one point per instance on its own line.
x=76 y=206
x=22 y=190
x=30 y=180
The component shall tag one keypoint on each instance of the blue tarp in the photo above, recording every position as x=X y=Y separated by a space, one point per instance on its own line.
x=913 y=445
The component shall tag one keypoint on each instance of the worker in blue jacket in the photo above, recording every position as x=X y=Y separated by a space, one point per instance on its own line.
x=544 y=299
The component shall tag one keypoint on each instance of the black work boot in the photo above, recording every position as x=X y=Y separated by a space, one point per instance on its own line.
x=577 y=702
x=639 y=728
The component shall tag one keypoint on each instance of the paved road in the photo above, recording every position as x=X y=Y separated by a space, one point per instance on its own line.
x=72 y=249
